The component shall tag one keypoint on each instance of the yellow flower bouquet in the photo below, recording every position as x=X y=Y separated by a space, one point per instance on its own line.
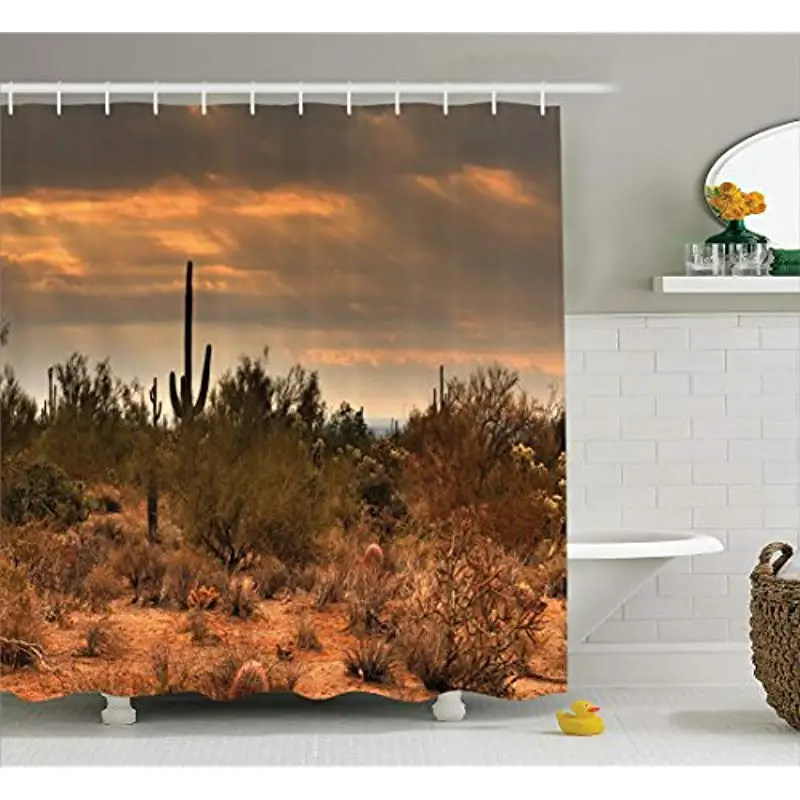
x=729 y=202
x=731 y=205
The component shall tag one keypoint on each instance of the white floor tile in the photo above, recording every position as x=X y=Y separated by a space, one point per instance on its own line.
x=703 y=726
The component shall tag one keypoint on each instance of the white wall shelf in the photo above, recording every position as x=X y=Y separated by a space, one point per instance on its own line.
x=726 y=284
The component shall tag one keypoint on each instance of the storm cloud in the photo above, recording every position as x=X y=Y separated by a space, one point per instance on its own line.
x=370 y=247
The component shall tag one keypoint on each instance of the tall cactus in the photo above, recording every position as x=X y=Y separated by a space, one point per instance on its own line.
x=152 y=482
x=155 y=403
x=50 y=405
x=184 y=407
x=441 y=387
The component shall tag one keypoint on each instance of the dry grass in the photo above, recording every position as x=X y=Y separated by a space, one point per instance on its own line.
x=306 y=638
x=370 y=661
x=198 y=628
x=20 y=620
x=171 y=673
x=101 y=587
x=270 y=578
x=186 y=572
x=240 y=599
x=144 y=568
x=100 y=641
x=368 y=596
x=283 y=676
x=330 y=586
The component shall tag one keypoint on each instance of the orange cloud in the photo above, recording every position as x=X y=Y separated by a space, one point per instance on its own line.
x=473 y=182
x=293 y=202
x=550 y=362
x=107 y=235
x=498 y=183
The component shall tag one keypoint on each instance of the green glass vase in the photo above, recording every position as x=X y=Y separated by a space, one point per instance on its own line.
x=736 y=232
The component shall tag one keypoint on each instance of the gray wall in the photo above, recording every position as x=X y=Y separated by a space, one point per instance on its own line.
x=633 y=162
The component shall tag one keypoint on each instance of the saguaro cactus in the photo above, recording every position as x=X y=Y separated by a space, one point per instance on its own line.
x=155 y=403
x=183 y=405
x=50 y=404
x=152 y=482
x=438 y=395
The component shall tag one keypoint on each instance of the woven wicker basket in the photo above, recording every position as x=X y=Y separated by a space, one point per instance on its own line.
x=775 y=631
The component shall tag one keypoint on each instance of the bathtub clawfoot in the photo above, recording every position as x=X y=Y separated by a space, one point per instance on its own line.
x=449 y=707
x=118 y=711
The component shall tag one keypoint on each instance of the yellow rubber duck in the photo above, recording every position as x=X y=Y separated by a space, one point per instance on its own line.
x=583 y=721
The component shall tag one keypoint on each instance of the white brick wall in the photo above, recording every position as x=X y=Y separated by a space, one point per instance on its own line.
x=686 y=421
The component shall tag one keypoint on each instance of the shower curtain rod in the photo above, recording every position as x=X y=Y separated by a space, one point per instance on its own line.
x=14 y=89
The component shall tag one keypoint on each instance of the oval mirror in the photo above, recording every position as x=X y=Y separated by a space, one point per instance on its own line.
x=768 y=162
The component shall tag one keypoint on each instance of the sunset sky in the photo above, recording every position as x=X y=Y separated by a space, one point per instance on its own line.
x=371 y=248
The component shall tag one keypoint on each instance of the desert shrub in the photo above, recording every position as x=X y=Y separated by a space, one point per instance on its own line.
x=368 y=594
x=101 y=587
x=270 y=577
x=493 y=446
x=144 y=567
x=240 y=598
x=186 y=572
x=171 y=673
x=98 y=422
x=99 y=641
x=306 y=637
x=283 y=677
x=39 y=490
x=268 y=498
x=57 y=563
x=329 y=586
x=555 y=574
x=303 y=579
x=20 y=628
x=106 y=527
x=104 y=499
x=198 y=628
x=56 y=610
x=17 y=413
x=371 y=660
x=473 y=620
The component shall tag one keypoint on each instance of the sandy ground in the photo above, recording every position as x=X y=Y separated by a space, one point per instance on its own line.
x=269 y=636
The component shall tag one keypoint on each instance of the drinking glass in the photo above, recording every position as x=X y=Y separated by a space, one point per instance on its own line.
x=749 y=259
x=705 y=259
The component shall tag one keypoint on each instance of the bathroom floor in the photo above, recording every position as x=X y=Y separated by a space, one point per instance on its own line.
x=698 y=726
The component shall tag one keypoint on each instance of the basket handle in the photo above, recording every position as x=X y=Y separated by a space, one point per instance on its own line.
x=765 y=563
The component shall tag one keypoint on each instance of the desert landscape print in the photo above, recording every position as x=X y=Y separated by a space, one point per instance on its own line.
x=281 y=401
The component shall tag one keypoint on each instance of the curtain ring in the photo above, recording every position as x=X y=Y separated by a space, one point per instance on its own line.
x=252 y=99
x=58 y=99
x=155 y=99
x=300 y=100
x=203 y=103
x=494 y=104
x=444 y=103
x=10 y=99
x=397 y=102
x=349 y=100
x=542 y=106
x=108 y=98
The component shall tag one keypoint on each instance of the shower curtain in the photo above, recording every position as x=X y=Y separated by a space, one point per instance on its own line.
x=281 y=401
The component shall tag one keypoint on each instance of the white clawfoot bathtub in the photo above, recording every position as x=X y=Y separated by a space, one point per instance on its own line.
x=606 y=568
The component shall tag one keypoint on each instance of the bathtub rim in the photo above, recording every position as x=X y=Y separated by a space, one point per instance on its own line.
x=640 y=544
